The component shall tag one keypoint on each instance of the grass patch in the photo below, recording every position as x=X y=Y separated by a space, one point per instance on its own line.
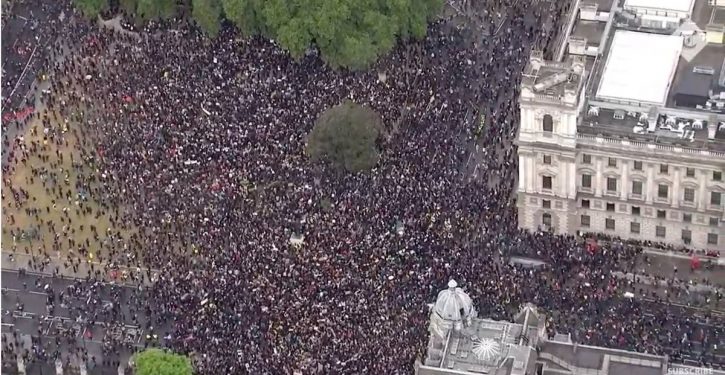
x=48 y=198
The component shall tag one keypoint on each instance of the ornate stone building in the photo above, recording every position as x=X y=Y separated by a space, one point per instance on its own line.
x=621 y=142
x=460 y=343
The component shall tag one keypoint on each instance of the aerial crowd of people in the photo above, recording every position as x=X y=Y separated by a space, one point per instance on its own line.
x=194 y=148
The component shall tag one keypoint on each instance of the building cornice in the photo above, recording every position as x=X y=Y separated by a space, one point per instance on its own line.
x=653 y=150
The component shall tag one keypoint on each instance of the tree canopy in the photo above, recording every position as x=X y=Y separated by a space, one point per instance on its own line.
x=91 y=8
x=159 y=362
x=207 y=14
x=348 y=33
x=346 y=135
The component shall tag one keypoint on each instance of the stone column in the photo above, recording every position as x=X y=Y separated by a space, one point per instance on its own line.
x=626 y=184
x=523 y=186
x=676 y=188
x=650 y=189
x=532 y=184
x=572 y=179
x=599 y=183
x=702 y=198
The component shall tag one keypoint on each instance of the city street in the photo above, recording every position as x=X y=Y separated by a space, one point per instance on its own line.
x=87 y=319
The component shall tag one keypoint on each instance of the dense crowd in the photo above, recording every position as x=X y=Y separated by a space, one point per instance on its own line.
x=195 y=150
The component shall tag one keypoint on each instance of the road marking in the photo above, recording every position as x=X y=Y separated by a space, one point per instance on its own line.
x=23 y=314
x=24 y=291
x=22 y=75
x=75 y=278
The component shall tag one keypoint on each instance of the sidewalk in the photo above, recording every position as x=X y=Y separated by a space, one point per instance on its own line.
x=676 y=254
x=14 y=262
x=647 y=280
x=720 y=261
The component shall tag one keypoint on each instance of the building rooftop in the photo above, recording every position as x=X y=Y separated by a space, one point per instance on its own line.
x=466 y=344
x=653 y=88
x=700 y=74
x=522 y=347
x=675 y=5
x=608 y=361
x=703 y=13
x=554 y=82
x=602 y=5
x=592 y=31
x=690 y=130
x=640 y=67
x=717 y=16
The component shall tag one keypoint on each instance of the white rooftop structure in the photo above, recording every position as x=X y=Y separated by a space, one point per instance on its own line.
x=453 y=304
x=640 y=67
x=683 y=6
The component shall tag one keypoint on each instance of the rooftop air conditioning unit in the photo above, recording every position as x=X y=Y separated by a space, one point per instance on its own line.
x=708 y=70
x=618 y=115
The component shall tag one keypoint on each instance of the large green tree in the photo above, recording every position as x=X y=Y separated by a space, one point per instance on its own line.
x=159 y=362
x=207 y=14
x=91 y=8
x=155 y=9
x=246 y=15
x=346 y=135
x=348 y=33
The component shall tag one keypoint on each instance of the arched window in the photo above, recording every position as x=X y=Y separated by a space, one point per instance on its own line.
x=548 y=123
x=546 y=219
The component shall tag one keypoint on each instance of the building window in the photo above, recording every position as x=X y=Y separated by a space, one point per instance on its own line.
x=546 y=182
x=687 y=218
x=612 y=162
x=585 y=203
x=612 y=184
x=689 y=195
x=546 y=219
x=637 y=165
x=662 y=191
x=635 y=211
x=714 y=221
x=660 y=231
x=586 y=159
x=686 y=236
x=690 y=172
x=545 y=203
x=637 y=187
x=609 y=224
x=548 y=123
x=664 y=168
x=610 y=207
x=585 y=220
x=715 y=198
x=661 y=214
x=547 y=159
x=587 y=181
x=634 y=227
x=717 y=176
x=712 y=239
